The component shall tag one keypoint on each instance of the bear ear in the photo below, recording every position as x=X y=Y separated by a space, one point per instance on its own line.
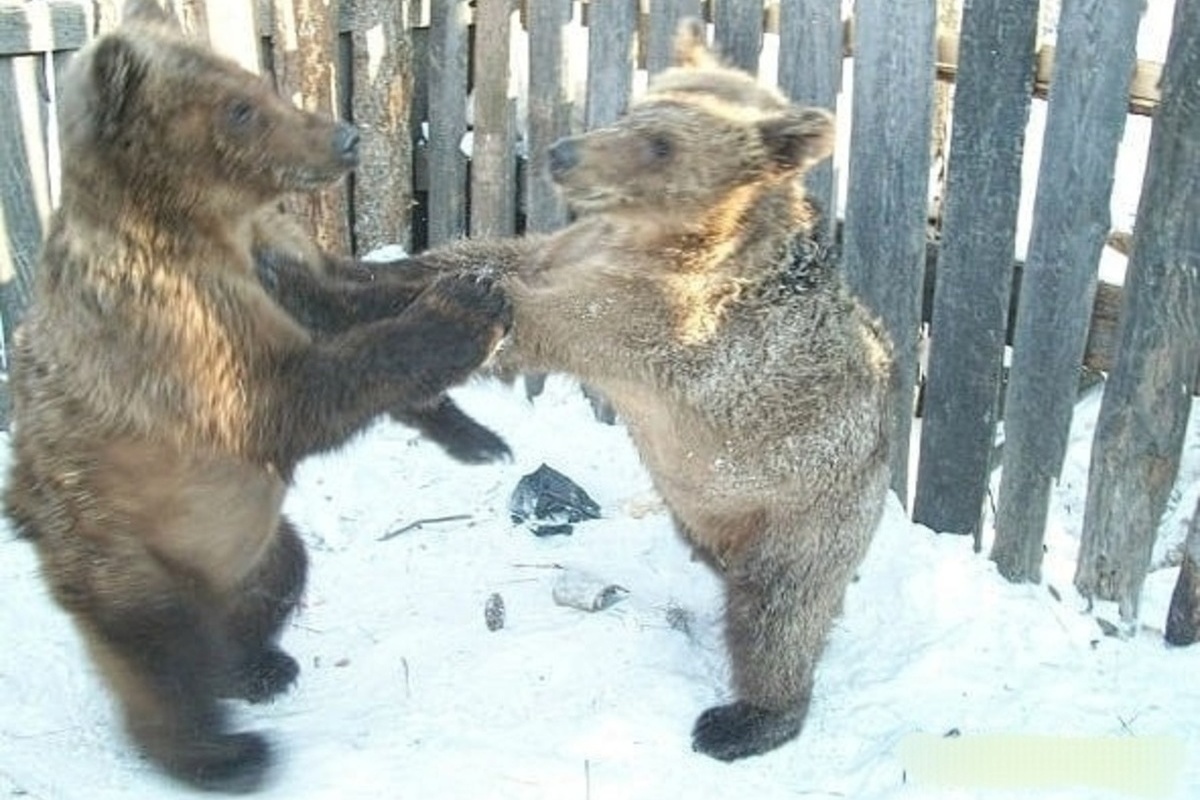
x=691 y=45
x=799 y=138
x=117 y=73
x=147 y=11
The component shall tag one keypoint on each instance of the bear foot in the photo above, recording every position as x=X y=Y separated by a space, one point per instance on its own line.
x=742 y=729
x=266 y=676
x=231 y=763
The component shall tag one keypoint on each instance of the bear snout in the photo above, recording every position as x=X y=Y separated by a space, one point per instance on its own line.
x=345 y=143
x=563 y=156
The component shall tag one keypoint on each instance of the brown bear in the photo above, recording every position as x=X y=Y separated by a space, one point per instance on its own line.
x=692 y=293
x=162 y=398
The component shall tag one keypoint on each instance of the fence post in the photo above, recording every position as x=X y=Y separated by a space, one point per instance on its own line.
x=493 y=156
x=665 y=16
x=1144 y=413
x=810 y=73
x=382 y=100
x=548 y=110
x=975 y=263
x=884 y=241
x=738 y=31
x=447 y=70
x=305 y=72
x=1086 y=116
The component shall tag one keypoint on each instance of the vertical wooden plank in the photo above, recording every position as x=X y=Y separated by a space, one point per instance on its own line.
x=611 y=24
x=664 y=20
x=231 y=29
x=24 y=180
x=548 y=110
x=888 y=177
x=381 y=98
x=1084 y=123
x=1144 y=413
x=810 y=72
x=447 y=65
x=493 y=158
x=974 y=271
x=738 y=31
x=305 y=52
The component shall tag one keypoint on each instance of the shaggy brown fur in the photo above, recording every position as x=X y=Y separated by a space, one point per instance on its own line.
x=691 y=293
x=162 y=398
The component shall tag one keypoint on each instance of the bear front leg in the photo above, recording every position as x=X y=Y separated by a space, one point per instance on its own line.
x=326 y=392
x=781 y=602
x=259 y=608
x=332 y=299
x=459 y=435
x=162 y=654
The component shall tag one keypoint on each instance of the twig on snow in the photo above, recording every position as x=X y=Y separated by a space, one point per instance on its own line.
x=419 y=523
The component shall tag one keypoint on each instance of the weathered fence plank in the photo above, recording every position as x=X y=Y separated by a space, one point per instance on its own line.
x=664 y=21
x=611 y=24
x=447 y=71
x=235 y=35
x=493 y=159
x=1085 y=120
x=305 y=72
x=884 y=235
x=24 y=180
x=738 y=31
x=548 y=110
x=382 y=93
x=1144 y=413
x=810 y=73
x=974 y=273
x=30 y=28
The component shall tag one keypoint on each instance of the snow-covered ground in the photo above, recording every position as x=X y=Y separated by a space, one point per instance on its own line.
x=407 y=693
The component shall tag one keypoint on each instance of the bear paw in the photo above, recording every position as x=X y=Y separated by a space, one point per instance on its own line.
x=231 y=763
x=742 y=729
x=264 y=677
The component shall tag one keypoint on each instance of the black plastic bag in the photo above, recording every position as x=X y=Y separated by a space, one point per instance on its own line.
x=546 y=495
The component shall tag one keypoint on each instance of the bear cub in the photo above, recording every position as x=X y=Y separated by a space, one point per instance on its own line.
x=162 y=398
x=692 y=293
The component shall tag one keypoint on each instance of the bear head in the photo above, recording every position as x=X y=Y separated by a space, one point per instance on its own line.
x=150 y=117
x=702 y=131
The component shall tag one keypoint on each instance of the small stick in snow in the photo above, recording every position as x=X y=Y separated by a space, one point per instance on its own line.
x=421 y=523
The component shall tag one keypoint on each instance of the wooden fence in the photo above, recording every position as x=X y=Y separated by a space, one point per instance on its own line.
x=422 y=79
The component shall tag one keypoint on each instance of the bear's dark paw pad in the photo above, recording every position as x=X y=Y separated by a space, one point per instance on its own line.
x=267 y=676
x=741 y=729
x=234 y=764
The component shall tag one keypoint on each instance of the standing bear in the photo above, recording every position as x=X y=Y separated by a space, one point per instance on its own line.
x=163 y=398
x=691 y=292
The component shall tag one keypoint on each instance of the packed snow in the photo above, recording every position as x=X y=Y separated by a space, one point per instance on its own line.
x=407 y=693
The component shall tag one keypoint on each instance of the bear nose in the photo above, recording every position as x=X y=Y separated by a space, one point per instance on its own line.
x=345 y=143
x=563 y=156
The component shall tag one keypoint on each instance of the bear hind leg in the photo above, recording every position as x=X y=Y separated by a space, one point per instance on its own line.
x=261 y=670
x=161 y=658
x=780 y=606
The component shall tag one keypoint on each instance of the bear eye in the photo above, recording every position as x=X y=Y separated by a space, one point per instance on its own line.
x=660 y=148
x=241 y=113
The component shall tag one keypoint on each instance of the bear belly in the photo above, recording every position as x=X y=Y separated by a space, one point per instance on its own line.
x=210 y=514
